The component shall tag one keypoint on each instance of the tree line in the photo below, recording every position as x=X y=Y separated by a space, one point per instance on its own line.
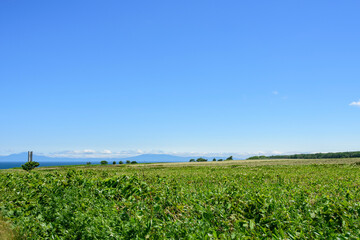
x=104 y=162
x=310 y=156
x=214 y=159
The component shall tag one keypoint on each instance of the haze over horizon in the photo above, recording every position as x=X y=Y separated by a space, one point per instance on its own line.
x=123 y=78
x=87 y=153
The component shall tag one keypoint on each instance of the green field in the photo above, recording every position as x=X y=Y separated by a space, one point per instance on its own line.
x=259 y=199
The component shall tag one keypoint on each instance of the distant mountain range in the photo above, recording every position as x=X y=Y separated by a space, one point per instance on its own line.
x=144 y=158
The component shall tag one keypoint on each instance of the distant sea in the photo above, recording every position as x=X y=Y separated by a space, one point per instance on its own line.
x=6 y=165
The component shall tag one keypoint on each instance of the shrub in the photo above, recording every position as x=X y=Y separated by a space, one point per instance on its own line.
x=133 y=162
x=257 y=157
x=88 y=163
x=192 y=160
x=229 y=158
x=120 y=162
x=128 y=161
x=28 y=166
x=114 y=162
x=201 y=160
x=220 y=160
x=214 y=160
x=104 y=162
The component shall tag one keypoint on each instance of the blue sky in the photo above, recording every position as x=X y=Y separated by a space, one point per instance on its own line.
x=129 y=77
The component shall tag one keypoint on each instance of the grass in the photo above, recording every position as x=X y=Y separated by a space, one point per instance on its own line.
x=258 y=199
x=271 y=162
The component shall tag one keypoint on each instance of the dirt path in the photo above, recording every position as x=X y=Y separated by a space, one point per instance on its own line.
x=5 y=232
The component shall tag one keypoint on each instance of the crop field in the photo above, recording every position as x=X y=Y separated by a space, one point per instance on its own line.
x=278 y=199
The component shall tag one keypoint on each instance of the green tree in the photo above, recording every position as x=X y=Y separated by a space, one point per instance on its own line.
x=114 y=162
x=103 y=162
x=192 y=160
x=28 y=166
x=201 y=160
x=133 y=162
x=214 y=160
x=120 y=162
x=128 y=161
x=229 y=158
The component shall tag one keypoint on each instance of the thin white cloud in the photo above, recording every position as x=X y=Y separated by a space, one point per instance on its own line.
x=278 y=95
x=88 y=153
x=76 y=152
x=357 y=104
x=106 y=151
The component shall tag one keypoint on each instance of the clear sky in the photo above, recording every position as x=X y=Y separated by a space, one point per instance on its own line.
x=126 y=77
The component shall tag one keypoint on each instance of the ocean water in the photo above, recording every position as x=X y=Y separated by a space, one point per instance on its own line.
x=7 y=165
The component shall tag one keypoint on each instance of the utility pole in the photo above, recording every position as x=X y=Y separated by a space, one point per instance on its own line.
x=30 y=154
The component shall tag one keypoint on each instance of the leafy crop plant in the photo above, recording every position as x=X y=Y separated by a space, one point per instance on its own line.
x=189 y=201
